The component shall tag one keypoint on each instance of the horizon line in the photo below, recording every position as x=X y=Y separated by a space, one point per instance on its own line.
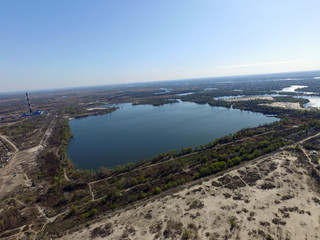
x=147 y=82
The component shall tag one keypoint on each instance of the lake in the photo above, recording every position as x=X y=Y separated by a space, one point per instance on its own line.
x=132 y=133
x=314 y=101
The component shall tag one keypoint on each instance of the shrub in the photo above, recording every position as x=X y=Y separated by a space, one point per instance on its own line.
x=143 y=195
x=93 y=212
x=90 y=214
x=315 y=159
x=269 y=238
x=181 y=181
x=157 y=190
x=186 y=234
x=204 y=171
x=114 y=206
x=196 y=175
x=73 y=210
x=133 y=198
x=233 y=224
x=28 y=200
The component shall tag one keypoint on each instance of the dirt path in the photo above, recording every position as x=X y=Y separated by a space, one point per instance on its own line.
x=65 y=175
x=47 y=219
x=91 y=192
x=308 y=138
x=306 y=154
x=12 y=144
x=304 y=150
x=47 y=133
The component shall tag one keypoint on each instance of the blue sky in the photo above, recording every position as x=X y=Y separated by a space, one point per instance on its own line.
x=57 y=44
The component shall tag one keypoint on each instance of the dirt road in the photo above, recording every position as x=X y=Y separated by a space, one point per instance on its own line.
x=8 y=140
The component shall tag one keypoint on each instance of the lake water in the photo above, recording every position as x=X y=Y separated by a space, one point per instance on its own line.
x=292 y=88
x=132 y=133
x=314 y=101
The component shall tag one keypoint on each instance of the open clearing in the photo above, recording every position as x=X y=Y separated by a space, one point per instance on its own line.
x=287 y=105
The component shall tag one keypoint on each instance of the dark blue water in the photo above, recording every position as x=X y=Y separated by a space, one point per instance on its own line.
x=132 y=133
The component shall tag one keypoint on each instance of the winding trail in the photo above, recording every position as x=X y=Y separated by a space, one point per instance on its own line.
x=91 y=192
x=65 y=175
x=16 y=149
x=304 y=150
x=47 y=219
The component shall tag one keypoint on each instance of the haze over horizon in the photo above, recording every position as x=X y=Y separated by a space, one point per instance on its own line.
x=63 y=44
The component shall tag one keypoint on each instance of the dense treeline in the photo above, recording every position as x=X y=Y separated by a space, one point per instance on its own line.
x=155 y=101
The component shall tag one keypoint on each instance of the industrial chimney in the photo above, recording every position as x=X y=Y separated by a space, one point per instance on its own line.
x=30 y=109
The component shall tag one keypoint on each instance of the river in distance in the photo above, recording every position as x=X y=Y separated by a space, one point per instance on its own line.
x=132 y=133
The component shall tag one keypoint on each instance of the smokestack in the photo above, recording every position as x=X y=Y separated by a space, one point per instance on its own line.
x=30 y=109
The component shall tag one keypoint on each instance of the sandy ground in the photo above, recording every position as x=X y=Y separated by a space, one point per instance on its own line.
x=97 y=108
x=272 y=197
x=289 y=105
x=248 y=99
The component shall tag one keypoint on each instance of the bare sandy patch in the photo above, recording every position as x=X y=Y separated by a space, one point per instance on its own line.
x=97 y=108
x=288 y=105
x=249 y=99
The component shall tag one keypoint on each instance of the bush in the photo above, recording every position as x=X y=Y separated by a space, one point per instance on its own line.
x=114 y=206
x=196 y=175
x=28 y=200
x=157 y=190
x=204 y=171
x=93 y=212
x=90 y=214
x=233 y=224
x=186 y=234
x=315 y=159
x=269 y=238
x=133 y=198
x=143 y=195
x=181 y=181
x=73 y=210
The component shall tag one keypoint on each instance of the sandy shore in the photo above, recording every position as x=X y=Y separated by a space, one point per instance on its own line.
x=97 y=108
x=288 y=105
x=270 y=198
x=248 y=99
